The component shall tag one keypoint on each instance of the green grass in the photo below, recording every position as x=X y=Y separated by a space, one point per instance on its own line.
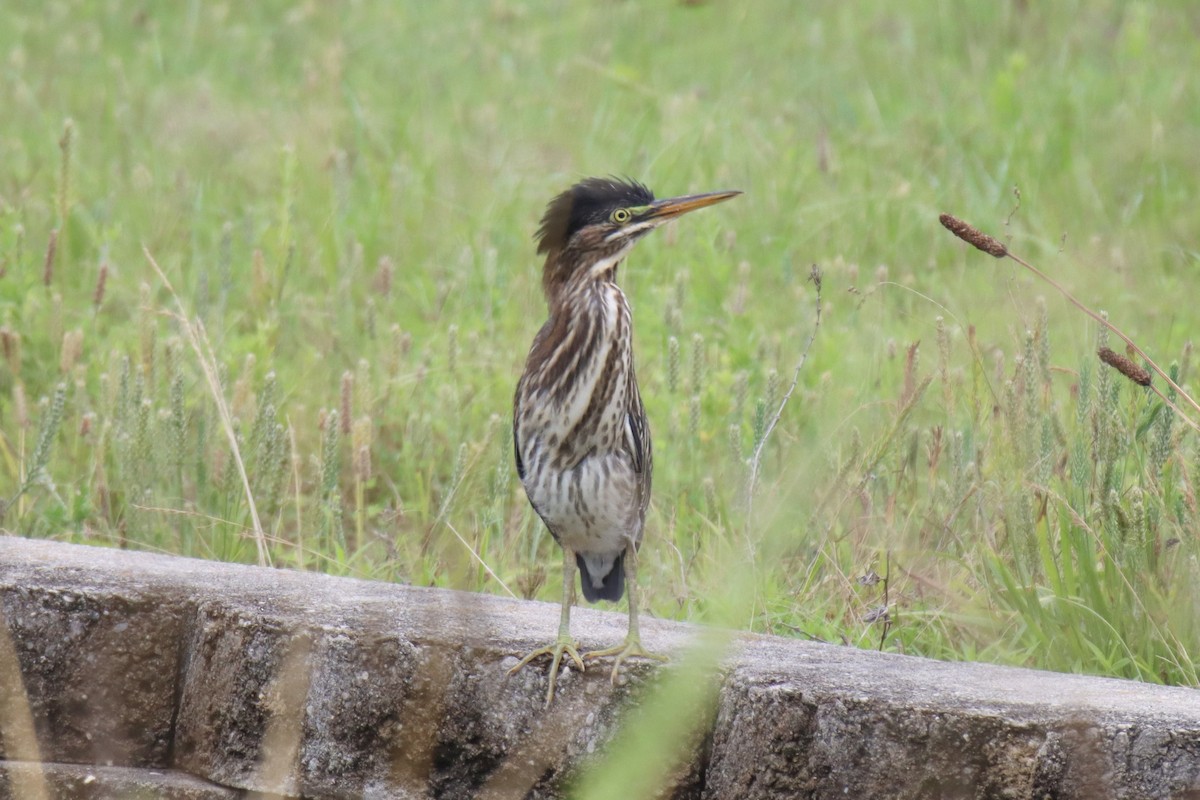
x=345 y=196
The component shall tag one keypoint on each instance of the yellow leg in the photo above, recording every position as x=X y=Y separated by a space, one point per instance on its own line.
x=564 y=643
x=632 y=648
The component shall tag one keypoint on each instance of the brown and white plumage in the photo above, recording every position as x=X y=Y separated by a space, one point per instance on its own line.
x=580 y=434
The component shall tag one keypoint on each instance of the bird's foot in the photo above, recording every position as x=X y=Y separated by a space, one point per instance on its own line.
x=632 y=648
x=564 y=645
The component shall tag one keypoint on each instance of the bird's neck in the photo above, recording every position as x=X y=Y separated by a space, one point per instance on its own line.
x=597 y=305
x=584 y=280
x=589 y=322
x=573 y=273
x=584 y=355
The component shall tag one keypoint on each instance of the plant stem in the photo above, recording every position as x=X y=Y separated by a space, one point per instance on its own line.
x=756 y=459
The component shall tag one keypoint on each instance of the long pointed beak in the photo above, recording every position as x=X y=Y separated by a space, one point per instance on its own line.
x=671 y=207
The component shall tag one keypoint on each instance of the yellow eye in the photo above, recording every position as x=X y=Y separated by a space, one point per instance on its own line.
x=621 y=216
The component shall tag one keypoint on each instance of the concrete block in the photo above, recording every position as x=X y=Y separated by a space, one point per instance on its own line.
x=28 y=781
x=98 y=666
x=273 y=681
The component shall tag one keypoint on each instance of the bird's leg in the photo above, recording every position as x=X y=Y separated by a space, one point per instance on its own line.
x=564 y=643
x=633 y=640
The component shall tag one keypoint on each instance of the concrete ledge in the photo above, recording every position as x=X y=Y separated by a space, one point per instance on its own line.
x=23 y=781
x=271 y=681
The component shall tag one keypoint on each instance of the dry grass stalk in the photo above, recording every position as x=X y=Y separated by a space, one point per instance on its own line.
x=982 y=240
x=297 y=488
x=198 y=339
x=910 y=372
x=65 y=144
x=756 y=458
x=1136 y=373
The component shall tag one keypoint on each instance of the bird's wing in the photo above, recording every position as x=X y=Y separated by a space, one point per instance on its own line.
x=518 y=396
x=635 y=435
x=637 y=432
x=517 y=433
x=517 y=453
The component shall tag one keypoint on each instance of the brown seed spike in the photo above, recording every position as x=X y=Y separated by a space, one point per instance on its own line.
x=48 y=263
x=1125 y=366
x=972 y=235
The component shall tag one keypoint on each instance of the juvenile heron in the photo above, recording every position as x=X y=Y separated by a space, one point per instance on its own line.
x=579 y=430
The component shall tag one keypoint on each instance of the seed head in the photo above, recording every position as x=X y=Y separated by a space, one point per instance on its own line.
x=10 y=343
x=72 y=349
x=101 y=280
x=48 y=261
x=347 y=402
x=385 y=269
x=1138 y=374
x=361 y=448
x=21 y=406
x=973 y=236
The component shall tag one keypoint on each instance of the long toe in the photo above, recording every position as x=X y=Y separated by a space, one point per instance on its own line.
x=556 y=651
x=632 y=648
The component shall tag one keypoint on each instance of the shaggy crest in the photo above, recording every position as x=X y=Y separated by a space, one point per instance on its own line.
x=586 y=203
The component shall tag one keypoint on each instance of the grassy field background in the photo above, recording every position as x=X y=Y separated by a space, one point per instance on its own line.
x=345 y=194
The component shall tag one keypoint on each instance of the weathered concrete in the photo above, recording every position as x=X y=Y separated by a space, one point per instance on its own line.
x=275 y=681
x=837 y=721
x=25 y=781
x=104 y=661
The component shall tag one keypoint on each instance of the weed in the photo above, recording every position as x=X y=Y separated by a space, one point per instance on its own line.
x=334 y=243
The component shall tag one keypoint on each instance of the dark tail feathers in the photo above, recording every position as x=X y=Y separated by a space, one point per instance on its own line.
x=612 y=585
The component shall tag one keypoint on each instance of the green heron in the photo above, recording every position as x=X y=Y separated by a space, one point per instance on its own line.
x=580 y=433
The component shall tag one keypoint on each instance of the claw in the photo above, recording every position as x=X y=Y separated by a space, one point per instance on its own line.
x=632 y=648
x=564 y=645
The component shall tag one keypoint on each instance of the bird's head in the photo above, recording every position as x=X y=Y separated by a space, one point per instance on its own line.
x=589 y=228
